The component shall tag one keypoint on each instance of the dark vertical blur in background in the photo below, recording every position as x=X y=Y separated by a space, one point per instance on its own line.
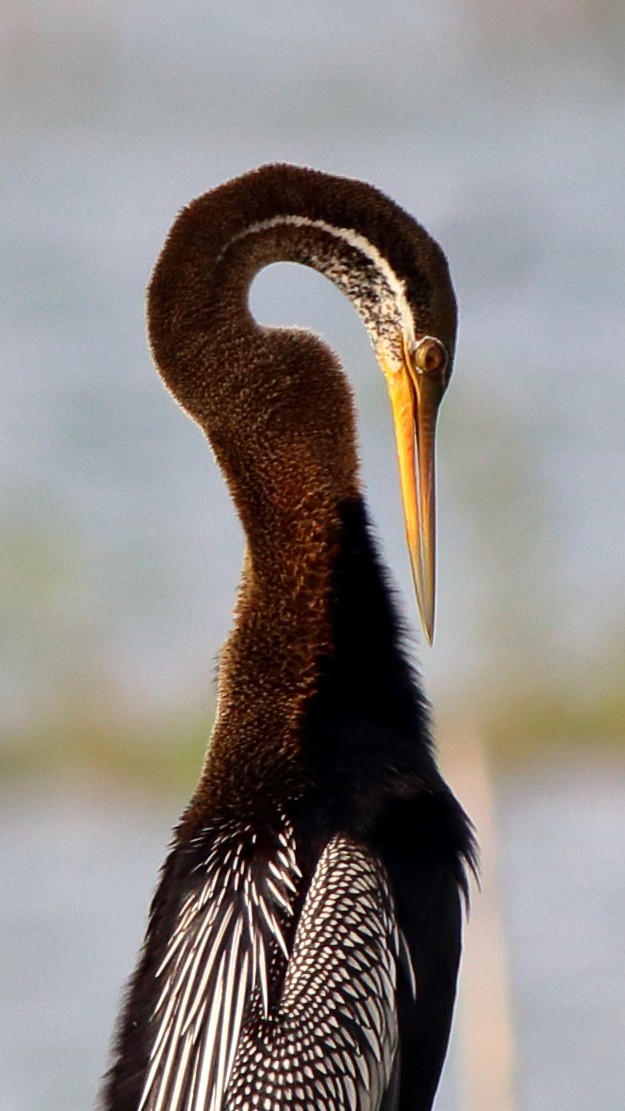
x=501 y=128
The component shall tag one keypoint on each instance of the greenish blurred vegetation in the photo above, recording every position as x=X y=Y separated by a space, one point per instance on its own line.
x=539 y=723
x=83 y=743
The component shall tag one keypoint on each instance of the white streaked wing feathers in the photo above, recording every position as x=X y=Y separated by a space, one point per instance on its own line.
x=227 y=933
x=332 y=1043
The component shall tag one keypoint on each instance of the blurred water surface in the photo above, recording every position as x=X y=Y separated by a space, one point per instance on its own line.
x=78 y=868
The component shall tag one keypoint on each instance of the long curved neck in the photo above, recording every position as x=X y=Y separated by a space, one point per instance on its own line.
x=277 y=410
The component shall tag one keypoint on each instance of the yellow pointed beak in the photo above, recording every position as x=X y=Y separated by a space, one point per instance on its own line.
x=415 y=392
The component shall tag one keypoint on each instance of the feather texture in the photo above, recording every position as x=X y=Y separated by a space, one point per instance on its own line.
x=262 y=987
x=332 y=1043
x=225 y=950
x=223 y=1039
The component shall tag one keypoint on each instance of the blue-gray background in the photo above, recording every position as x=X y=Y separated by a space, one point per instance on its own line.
x=502 y=128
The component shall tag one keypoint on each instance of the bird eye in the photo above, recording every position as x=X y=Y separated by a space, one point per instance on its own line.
x=430 y=356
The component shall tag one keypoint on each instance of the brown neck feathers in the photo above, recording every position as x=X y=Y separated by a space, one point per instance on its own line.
x=278 y=411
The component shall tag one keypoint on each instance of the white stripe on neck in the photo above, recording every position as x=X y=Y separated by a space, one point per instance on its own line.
x=395 y=285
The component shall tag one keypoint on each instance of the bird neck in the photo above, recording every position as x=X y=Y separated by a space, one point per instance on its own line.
x=277 y=409
x=269 y=670
x=316 y=697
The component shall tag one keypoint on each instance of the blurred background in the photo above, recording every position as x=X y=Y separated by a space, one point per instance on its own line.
x=501 y=127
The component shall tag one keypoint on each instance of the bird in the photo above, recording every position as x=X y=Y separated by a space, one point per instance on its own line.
x=304 y=938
